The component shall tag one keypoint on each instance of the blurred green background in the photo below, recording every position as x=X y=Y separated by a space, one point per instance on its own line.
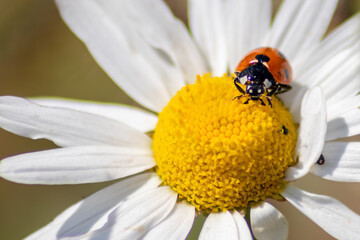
x=39 y=56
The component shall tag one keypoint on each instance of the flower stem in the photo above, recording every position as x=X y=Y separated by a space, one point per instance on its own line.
x=248 y=220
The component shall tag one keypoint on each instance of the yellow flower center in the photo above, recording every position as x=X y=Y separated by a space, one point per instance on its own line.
x=221 y=154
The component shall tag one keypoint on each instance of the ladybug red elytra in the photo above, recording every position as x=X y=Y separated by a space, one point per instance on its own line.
x=263 y=70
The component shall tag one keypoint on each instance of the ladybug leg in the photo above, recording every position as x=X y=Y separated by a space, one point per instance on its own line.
x=237 y=97
x=262 y=102
x=247 y=101
x=236 y=81
x=269 y=98
x=272 y=92
x=269 y=94
x=283 y=88
x=255 y=99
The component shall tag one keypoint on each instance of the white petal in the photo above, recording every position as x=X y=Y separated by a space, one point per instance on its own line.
x=282 y=22
x=300 y=24
x=91 y=213
x=75 y=165
x=331 y=215
x=336 y=109
x=136 y=216
x=219 y=226
x=268 y=223
x=343 y=78
x=347 y=96
x=155 y=22
x=344 y=123
x=208 y=27
x=311 y=135
x=66 y=127
x=333 y=73
x=176 y=225
x=338 y=80
x=247 y=22
x=242 y=226
x=107 y=30
x=137 y=118
x=313 y=66
x=342 y=38
x=341 y=162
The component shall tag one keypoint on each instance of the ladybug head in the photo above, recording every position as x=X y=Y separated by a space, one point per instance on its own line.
x=255 y=89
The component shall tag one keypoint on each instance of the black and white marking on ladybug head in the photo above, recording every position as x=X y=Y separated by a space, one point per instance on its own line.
x=255 y=89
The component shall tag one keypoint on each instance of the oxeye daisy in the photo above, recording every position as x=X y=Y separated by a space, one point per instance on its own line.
x=206 y=150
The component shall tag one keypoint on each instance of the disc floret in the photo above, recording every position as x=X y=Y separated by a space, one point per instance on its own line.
x=220 y=154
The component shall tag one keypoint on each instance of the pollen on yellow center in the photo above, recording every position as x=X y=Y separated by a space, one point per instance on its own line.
x=221 y=154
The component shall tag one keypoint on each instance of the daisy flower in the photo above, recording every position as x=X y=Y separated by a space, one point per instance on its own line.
x=204 y=153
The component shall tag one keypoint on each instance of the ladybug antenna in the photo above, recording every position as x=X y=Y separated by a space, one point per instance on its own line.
x=262 y=58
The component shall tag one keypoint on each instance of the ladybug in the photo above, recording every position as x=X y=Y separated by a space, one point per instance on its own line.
x=263 y=70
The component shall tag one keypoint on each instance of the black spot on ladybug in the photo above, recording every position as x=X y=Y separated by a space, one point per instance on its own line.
x=286 y=73
x=281 y=55
x=321 y=160
x=262 y=58
x=285 y=131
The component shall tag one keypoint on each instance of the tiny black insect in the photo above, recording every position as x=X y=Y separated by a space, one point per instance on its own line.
x=285 y=130
x=321 y=160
